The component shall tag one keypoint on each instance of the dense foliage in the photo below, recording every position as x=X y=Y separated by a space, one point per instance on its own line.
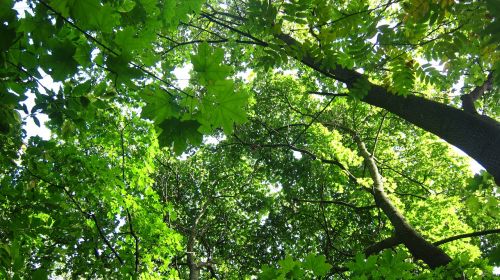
x=310 y=141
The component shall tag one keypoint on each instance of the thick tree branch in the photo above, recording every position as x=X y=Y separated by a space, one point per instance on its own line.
x=469 y=99
x=194 y=269
x=382 y=245
x=467 y=235
x=394 y=241
x=473 y=134
x=416 y=244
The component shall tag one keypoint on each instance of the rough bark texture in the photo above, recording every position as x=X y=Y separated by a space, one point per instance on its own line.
x=416 y=244
x=478 y=136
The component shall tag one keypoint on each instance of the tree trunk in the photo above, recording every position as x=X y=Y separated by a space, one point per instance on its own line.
x=478 y=136
x=194 y=268
x=194 y=271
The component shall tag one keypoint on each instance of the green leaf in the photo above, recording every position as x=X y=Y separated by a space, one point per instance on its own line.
x=60 y=64
x=473 y=203
x=179 y=133
x=268 y=273
x=126 y=6
x=40 y=274
x=222 y=106
x=36 y=121
x=360 y=88
x=159 y=106
x=287 y=264
x=494 y=256
x=8 y=36
x=317 y=264
x=94 y=15
x=119 y=66
x=207 y=64
x=28 y=60
x=82 y=55
x=62 y=6
x=128 y=40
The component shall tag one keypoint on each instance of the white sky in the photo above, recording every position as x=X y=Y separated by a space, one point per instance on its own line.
x=31 y=128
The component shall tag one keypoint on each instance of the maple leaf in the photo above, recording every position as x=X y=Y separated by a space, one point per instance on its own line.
x=222 y=106
x=180 y=134
x=207 y=63
x=159 y=106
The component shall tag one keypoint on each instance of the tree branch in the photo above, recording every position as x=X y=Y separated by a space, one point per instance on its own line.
x=382 y=245
x=245 y=34
x=129 y=216
x=322 y=93
x=303 y=151
x=337 y=202
x=318 y=114
x=394 y=241
x=467 y=235
x=418 y=246
x=469 y=99
x=208 y=41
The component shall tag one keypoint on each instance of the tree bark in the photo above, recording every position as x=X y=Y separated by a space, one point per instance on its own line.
x=194 y=268
x=478 y=136
x=381 y=245
x=418 y=246
x=393 y=241
x=469 y=99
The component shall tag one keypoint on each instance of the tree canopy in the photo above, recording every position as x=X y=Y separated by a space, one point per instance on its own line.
x=312 y=139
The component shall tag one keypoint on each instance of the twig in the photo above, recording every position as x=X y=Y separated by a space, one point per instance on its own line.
x=304 y=151
x=245 y=34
